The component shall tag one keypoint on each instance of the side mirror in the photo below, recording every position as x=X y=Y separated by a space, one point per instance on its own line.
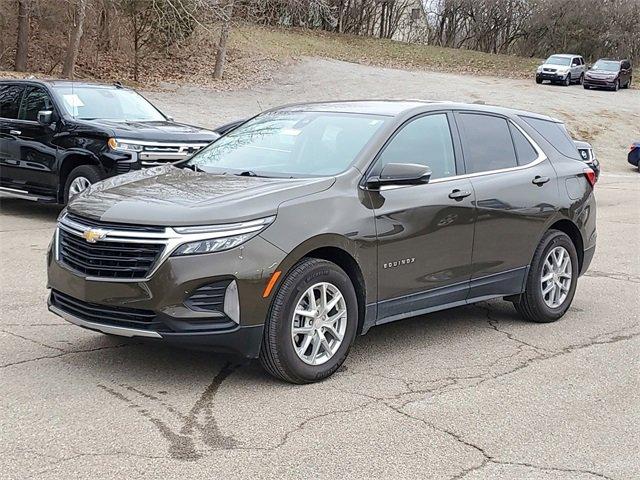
x=170 y=119
x=45 y=117
x=400 y=174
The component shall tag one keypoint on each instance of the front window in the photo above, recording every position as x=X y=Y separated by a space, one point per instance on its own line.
x=286 y=144
x=606 y=66
x=106 y=103
x=557 y=60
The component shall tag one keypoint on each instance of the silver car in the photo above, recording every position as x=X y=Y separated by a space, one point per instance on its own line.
x=562 y=68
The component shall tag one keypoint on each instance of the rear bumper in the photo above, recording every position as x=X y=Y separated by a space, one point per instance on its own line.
x=586 y=259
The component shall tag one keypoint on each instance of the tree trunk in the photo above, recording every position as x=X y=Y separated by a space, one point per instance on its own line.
x=222 y=44
x=74 y=40
x=22 y=44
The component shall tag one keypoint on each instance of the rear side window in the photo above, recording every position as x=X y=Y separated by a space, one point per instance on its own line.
x=10 y=100
x=556 y=134
x=34 y=100
x=423 y=141
x=524 y=150
x=487 y=143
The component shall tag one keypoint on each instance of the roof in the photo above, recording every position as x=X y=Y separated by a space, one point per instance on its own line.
x=365 y=107
x=565 y=55
x=393 y=108
x=60 y=82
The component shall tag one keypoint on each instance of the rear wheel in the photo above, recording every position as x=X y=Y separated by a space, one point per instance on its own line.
x=551 y=281
x=628 y=85
x=311 y=324
x=581 y=80
x=80 y=179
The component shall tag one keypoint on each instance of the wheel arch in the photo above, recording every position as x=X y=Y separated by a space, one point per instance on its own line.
x=341 y=251
x=71 y=161
x=573 y=232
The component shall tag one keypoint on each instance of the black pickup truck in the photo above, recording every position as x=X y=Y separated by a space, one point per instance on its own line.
x=58 y=137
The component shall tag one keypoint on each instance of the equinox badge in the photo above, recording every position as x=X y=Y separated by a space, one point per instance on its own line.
x=92 y=235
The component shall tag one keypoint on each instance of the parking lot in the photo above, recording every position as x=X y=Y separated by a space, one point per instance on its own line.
x=473 y=392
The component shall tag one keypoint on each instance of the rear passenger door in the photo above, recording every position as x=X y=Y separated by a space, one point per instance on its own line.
x=516 y=190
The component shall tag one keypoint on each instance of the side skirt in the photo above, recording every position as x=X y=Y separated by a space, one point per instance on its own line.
x=499 y=285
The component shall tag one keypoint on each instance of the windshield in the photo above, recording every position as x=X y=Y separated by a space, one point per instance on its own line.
x=290 y=144
x=556 y=60
x=107 y=103
x=606 y=66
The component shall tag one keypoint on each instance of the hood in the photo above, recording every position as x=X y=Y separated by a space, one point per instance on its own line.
x=161 y=131
x=601 y=74
x=170 y=196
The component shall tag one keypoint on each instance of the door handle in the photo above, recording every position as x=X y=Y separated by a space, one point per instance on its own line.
x=15 y=132
x=538 y=180
x=459 y=194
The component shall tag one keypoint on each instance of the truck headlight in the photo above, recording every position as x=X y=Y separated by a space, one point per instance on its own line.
x=124 y=145
x=217 y=238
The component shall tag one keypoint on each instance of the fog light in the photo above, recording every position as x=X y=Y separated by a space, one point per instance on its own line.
x=232 y=303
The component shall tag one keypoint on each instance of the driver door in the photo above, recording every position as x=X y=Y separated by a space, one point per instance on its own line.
x=424 y=232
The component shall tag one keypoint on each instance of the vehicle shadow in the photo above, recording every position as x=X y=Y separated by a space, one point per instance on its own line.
x=28 y=209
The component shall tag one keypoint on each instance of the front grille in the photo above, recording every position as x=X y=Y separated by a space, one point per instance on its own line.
x=108 y=315
x=208 y=297
x=107 y=259
x=124 y=227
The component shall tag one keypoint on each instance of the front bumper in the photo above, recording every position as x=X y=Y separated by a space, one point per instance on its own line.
x=105 y=305
x=599 y=83
x=551 y=76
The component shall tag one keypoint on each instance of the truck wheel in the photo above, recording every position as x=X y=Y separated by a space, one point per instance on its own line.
x=311 y=323
x=538 y=81
x=551 y=280
x=80 y=179
x=567 y=81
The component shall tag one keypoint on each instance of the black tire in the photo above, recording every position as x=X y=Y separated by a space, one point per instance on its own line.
x=567 y=81
x=581 y=79
x=538 y=81
x=616 y=86
x=628 y=84
x=586 y=87
x=90 y=172
x=531 y=304
x=277 y=355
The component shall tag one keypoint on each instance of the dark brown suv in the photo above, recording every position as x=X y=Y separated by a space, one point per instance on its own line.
x=309 y=224
x=610 y=74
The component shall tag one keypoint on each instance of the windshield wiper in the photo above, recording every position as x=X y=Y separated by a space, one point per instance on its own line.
x=194 y=167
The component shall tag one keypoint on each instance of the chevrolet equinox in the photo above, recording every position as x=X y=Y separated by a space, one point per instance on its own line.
x=309 y=224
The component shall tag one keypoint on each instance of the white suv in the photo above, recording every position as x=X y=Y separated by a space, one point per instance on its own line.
x=562 y=68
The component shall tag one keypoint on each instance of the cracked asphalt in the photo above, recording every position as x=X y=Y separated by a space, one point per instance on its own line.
x=472 y=393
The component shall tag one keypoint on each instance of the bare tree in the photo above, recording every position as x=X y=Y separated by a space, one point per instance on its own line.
x=74 y=40
x=22 y=44
x=222 y=44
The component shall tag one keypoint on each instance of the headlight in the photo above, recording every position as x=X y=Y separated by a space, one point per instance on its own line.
x=217 y=238
x=539 y=69
x=123 y=145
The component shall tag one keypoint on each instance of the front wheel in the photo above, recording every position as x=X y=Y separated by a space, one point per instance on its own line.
x=567 y=81
x=311 y=323
x=551 y=281
x=616 y=86
x=80 y=179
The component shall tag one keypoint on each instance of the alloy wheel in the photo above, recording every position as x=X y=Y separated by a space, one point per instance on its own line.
x=555 y=280
x=78 y=185
x=319 y=323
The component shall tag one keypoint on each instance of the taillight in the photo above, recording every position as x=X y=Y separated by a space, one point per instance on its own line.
x=591 y=176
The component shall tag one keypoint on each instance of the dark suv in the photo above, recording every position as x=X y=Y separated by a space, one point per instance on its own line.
x=608 y=73
x=309 y=224
x=59 y=137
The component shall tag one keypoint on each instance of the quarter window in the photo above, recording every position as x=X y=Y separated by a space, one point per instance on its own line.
x=35 y=100
x=486 y=142
x=10 y=100
x=424 y=141
x=556 y=134
x=524 y=150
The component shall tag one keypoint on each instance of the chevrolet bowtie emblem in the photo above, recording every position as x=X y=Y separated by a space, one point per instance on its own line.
x=92 y=235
